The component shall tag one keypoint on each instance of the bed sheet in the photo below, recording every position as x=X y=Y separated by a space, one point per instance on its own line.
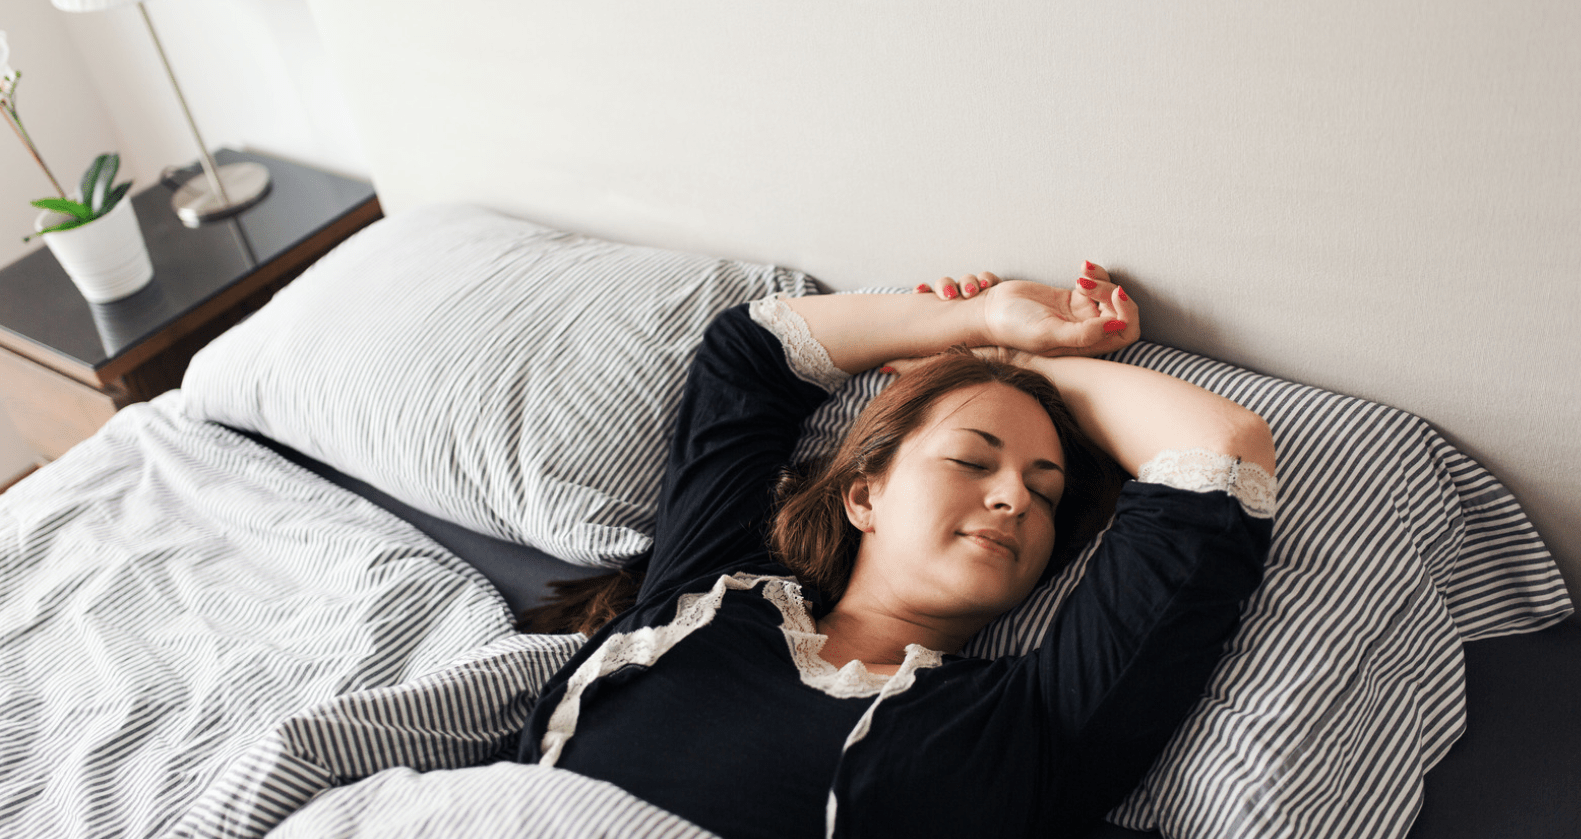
x=170 y=591
x=425 y=759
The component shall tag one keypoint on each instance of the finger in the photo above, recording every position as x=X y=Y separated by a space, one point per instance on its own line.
x=1099 y=290
x=970 y=285
x=1125 y=312
x=1093 y=270
x=1122 y=329
x=900 y=365
x=985 y=280
x=924 y=288
x=947 y=289
x=1074 y=337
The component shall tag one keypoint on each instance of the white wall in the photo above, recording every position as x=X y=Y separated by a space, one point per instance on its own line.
x=1379 y=197
x=254 y=73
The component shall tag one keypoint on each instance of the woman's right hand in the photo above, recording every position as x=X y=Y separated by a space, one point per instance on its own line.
x=1093 y=319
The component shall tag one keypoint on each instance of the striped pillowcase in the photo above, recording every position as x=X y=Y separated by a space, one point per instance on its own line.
x=516 y=380
x=1345 y=682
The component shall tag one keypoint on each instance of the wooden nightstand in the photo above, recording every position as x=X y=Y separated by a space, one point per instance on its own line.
x=66 y=365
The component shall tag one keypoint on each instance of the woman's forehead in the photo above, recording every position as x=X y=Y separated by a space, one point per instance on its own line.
x=995 y=410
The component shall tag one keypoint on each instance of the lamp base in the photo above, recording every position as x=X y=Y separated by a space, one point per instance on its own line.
x=245 y=185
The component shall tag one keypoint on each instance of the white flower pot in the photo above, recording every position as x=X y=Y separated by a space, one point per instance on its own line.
x=106 y=258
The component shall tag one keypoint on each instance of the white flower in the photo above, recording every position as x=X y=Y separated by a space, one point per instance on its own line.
x=5 y=61
x=7 y=75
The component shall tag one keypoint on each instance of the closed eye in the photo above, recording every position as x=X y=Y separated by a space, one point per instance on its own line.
x=979 y=467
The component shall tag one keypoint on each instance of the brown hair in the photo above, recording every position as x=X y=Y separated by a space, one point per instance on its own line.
x=810 y=532
x=582 y=605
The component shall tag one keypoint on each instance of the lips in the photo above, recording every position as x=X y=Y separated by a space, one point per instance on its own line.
x=997 y=539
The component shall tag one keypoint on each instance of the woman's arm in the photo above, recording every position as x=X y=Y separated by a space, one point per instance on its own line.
x=862 y=331
x=1133 y=413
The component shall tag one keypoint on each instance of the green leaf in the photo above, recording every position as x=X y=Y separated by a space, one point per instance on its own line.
x=97 y=180
x=65 y=225
x=90 y=178
x=64 y=205
x=115 y=198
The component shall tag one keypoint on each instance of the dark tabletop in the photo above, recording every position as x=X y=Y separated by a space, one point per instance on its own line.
x=39 y=304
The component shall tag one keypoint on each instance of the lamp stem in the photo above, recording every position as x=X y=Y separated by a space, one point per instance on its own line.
x=209 y=168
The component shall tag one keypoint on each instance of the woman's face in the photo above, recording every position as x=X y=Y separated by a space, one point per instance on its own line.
x=962 y=525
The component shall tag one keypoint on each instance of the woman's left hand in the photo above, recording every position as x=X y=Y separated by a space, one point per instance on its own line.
x=1095 y=318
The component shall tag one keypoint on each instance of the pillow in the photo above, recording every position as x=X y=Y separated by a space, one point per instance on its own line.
x=1344 y=684
x=513 y=379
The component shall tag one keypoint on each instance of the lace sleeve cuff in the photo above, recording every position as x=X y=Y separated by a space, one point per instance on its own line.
x=1199 y=470
x=807 y=358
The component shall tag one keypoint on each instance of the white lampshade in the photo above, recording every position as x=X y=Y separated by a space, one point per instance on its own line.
x=90 y=5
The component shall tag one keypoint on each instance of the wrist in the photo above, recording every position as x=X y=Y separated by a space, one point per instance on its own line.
x=966 y=323
x=976 y=332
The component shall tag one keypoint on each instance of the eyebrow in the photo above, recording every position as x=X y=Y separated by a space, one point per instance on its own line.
x=997 y=443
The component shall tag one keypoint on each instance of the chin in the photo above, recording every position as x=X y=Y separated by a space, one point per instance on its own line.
x=983 y=600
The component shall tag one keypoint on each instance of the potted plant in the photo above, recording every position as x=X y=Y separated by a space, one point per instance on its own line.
x=94 y=234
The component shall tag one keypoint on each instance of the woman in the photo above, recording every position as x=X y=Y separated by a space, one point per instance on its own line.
x=755 y=703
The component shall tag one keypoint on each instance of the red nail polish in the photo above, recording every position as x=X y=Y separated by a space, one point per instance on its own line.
x=886 y=369
x=1114 y=326
x=1087 y=284
x=923 y=288
x=971 y=288
x=949 y=293
x=1088 y=266
x=1123 y=298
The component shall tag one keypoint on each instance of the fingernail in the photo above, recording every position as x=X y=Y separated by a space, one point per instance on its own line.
x=1087 y=284
x=886 y=369
x=949 y=293
x=1114 y=326
x=971 y=288
x=923 y=288
x=1123 y=298
x=1088 y=266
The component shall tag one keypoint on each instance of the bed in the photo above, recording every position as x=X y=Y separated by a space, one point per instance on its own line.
x=281 y=598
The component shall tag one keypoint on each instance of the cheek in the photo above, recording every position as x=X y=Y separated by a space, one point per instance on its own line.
x=1046 y=535
x=919 y=507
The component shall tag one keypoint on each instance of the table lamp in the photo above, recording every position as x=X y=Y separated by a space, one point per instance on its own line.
x=223 y=190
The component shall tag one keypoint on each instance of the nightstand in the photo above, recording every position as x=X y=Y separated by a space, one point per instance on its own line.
x=67 y=365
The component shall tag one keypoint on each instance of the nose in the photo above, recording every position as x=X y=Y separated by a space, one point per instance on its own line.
x=1008 y=493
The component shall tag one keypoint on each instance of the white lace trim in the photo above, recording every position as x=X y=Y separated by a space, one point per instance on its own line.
x=1200 y=470
x=642 y=646
x=807 y=358
x=801 y=635
x=693 y=611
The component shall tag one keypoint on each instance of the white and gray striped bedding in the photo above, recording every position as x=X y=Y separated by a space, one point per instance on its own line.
x=421 y=758
x=516 y=380
x=169 y=591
